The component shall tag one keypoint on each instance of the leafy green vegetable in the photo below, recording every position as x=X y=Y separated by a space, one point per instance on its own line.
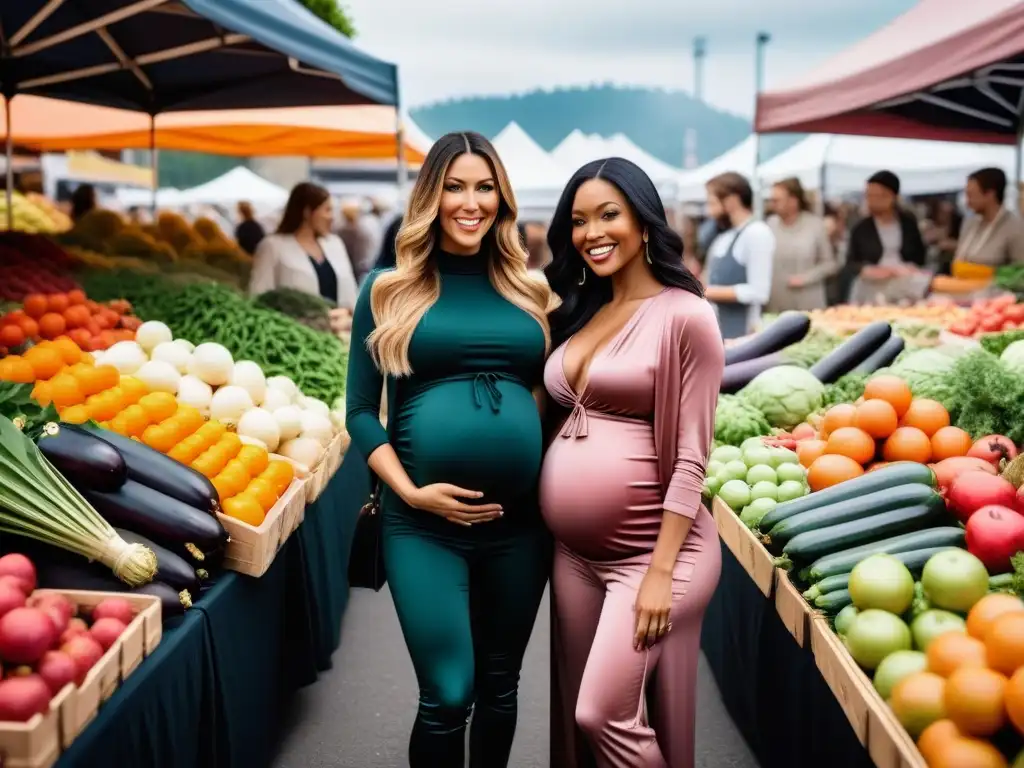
x=736 y=420
x=814 y=346
x=17 y=405
x=846 y=389
x=310 y=310
x=985 y=397
x=785 y=395
x=927 y=371
x=996 y=343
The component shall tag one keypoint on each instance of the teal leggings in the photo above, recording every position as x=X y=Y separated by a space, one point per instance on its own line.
x=467 y=601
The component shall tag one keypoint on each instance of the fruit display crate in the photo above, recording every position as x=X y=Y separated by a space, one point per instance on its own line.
x=796 y=614
x=751 y=553
x=886 y=741
x=328 y=465
x=39 y=742
x=251 y=549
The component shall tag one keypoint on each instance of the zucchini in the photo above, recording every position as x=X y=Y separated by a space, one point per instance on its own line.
x=853 y=509
x=811 y=545
x=882 y=356
x=167 y=521
x=154 y=470
x=841 y=562
x=831 y=584
x=788 y=329
x=898 y=473
x=85 y=460
x=833 y=602
x=171 y=569
x=736 y=376
x=852 y=352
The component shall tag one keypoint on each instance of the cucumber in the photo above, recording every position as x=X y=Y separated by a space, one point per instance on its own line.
x=844 y=561
x=898 y=473
x=833 y=602
x=811 y=545
x=831 y=584
x=852 y=509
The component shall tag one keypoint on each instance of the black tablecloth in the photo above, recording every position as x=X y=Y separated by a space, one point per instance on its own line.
x=770 y=685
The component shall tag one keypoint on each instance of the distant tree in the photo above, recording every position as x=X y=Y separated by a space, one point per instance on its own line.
x=331 y=12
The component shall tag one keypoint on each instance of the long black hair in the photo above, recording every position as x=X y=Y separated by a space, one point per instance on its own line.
x=580 y=302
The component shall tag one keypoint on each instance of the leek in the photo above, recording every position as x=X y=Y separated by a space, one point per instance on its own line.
x=36 y=501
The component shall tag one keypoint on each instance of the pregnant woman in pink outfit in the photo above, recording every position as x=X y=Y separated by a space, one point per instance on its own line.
x=634 y=382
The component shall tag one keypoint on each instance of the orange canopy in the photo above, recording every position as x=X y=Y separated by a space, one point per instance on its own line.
x=352 y=133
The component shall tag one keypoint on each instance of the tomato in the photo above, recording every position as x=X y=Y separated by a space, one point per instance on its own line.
x=965 y=327
x=1014 y=313
x=990 y=323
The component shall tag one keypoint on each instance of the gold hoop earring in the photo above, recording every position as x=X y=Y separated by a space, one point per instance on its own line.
x=647 y=253
x=583 y=277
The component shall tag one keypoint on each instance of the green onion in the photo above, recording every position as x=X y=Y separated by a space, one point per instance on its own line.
x=36 y=501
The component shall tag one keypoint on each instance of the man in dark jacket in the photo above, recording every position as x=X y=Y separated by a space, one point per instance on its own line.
x=886 y=250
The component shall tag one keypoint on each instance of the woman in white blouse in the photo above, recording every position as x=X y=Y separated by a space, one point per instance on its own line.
x=304 y=255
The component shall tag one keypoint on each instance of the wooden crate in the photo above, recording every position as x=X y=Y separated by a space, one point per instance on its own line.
x=794 y=611
x=37 y=743
x=251 y=549
x=755 y=559
x=329 y=463
x=77 y=706
x=841 y=675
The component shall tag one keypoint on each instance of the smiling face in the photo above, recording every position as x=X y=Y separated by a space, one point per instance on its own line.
x=469 y=204
x=321 y=218
x=604 y=229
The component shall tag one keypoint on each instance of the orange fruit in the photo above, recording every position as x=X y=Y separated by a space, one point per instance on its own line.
x=954 y=650
x=212 y=431
x=975 y=700
x=102 y=407
x=280 y=474
x=238 y=476
x=918 y=700
x=41 y=393
x=159 y=405
x=935 y=737
x=831 y=469
x=852 y=442
x=254 y=459
x=264 y=492
x=907 y=444
x=133 y=389
x=94 y=379
x=245 y=508
x=809 y=450
x=57 y=302
x=18 y=370
x=188 y=450
x=988 y=609
x=1014 y=697
x=1004 y=643
x=35 y=305
x=75 y=414
x=45 y=361
x=159 y=437
x=837 y=417
x=966 y=752
x=894 y=390
x=52 y=325
x=230 y=443
x=65 y=391
x=137 y=420
x=210 y=462
x=877 y=418
x=69 y=351
x=927 y=415
x=948 y=442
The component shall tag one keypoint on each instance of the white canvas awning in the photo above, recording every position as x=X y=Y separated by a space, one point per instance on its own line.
x=739 y=159
x=236 y=185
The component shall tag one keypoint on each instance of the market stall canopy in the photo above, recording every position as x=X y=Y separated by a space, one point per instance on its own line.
x=739 y=159
x=234 y=186
x=578 y=148
x=621 y=145
x=160 y=55
x=166 y=197
x=357 y=132
x=842 y=164
x=531 y=170
x=945 y=70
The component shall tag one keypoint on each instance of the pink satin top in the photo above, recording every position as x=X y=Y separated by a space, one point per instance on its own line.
x=636 y=439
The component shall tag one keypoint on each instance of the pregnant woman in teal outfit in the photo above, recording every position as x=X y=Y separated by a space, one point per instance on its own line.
x=458 y=331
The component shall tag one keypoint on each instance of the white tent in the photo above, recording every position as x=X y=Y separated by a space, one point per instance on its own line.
x=166 y=197
x=415 y=137
x=578 y=148
x=236 y=185
x=842 y=164
x=536 y=177
x=739 y=159
x=660 y=172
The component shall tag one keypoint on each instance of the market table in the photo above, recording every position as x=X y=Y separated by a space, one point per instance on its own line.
x=771 y=686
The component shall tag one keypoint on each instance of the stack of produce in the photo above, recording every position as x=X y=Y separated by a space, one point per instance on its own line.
x=22 y=272
x=91 y=326
x=849 y=317
x=209 y=312
x=312 y=311
x=44 y=644
x=1010 y=278
x=32 y=214
x=1002 y=313
x=753 y=478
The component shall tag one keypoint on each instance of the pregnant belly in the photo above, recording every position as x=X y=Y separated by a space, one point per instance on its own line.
x=600 y=494
x=486 y=444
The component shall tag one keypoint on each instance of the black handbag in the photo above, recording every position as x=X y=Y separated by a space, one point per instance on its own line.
x=366 y=562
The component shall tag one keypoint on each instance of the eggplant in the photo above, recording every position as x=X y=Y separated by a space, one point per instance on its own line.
x=882 y=356
x=59 y=574
x=151 y=468
x=848 y=355
x=788 y=328
x=87 y=461
x=167 y=521
x=170 y=568
x=736 y=376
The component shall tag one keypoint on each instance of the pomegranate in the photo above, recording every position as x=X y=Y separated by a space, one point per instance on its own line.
x=971 y=491
x=106 y=631
x=994 y=535
x=25 y=635
x=85 y=652
x=947 y=470
x=114 y=608
x=75 y=627
x=993 y=449
x=23 y=697
x=11 y=597
x=21 y=568
x=57 y=669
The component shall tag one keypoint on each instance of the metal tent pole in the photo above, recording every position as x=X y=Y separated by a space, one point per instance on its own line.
x=762 y=40
x=154 y=164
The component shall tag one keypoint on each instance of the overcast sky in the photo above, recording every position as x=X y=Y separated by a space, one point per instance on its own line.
x=451 y=48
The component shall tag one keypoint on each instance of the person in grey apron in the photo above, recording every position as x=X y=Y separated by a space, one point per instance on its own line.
x=733 y=318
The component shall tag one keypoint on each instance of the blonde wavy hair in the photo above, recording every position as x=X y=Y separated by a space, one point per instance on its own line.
x=401 y=297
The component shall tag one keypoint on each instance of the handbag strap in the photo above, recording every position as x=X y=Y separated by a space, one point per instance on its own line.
x=376 y=484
